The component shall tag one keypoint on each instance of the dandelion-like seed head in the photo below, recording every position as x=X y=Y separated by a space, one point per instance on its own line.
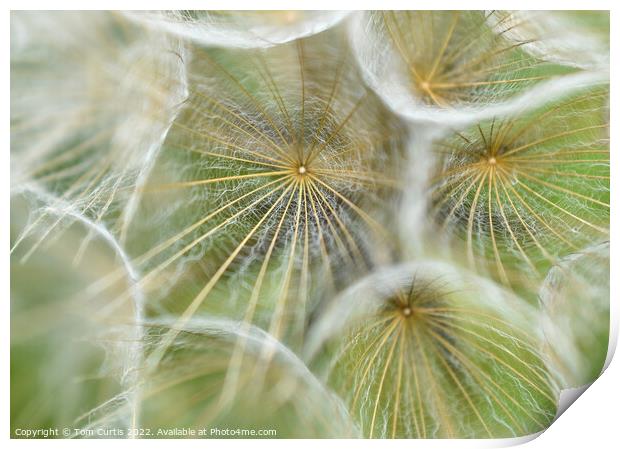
x=286 y=160
x=514 y=188
x=430 y=351
x=428 y=64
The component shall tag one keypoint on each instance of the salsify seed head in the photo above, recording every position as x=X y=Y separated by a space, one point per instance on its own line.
x=446 y=65
x=93 y=94
x=280 y=169
x=521 y=191
x=431 y=352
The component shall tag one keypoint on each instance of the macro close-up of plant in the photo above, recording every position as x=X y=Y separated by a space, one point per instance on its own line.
x=306 y=224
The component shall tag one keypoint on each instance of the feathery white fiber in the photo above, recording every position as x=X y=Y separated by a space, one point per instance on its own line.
x=242 y=29
x=454 y=67
x=287 y=224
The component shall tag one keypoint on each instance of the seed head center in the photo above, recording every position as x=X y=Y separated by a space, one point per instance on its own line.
x=492 y=161
x=407 y=311
x=301 y=170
